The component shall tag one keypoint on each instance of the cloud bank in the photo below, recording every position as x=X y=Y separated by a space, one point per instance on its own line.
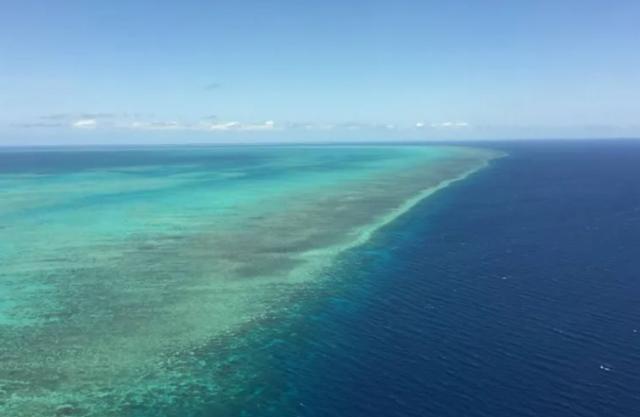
x=85 y=124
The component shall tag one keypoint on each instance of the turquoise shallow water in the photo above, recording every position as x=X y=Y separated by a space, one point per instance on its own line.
x=132 y=277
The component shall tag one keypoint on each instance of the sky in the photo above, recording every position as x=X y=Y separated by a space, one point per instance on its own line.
x=79 y=72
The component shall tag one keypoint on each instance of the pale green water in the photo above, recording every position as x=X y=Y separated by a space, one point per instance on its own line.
x=119 y=268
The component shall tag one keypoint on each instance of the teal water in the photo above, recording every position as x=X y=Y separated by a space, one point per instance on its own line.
x=132 y=278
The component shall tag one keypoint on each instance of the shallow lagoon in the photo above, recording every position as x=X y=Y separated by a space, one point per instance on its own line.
x=131 y=278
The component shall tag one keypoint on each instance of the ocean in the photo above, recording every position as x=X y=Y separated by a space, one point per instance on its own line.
x=512 y=291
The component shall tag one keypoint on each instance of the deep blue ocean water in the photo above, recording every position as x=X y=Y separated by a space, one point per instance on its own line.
x=512 y=293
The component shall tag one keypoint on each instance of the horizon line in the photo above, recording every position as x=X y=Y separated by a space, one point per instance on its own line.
x=315 y=143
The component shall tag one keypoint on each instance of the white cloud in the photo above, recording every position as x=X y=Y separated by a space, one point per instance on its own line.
x=168 y=125
x=221 y=126
x=201 y=126
x=309 y=126
x=450 y=125
x=84 y=124
x=268 y=125
x=149 y=122
x=354 y=126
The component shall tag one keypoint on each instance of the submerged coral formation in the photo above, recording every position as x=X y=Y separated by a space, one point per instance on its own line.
x=128 y=276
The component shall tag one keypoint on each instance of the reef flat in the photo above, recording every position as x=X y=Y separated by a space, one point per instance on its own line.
x=125 y=273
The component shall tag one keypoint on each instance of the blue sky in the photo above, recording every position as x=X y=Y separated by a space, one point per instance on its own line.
x=197 y=71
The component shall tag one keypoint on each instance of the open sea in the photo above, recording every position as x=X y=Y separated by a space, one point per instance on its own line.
x=512 y=292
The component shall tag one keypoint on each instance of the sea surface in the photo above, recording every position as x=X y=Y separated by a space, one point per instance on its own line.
x=505 y=285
